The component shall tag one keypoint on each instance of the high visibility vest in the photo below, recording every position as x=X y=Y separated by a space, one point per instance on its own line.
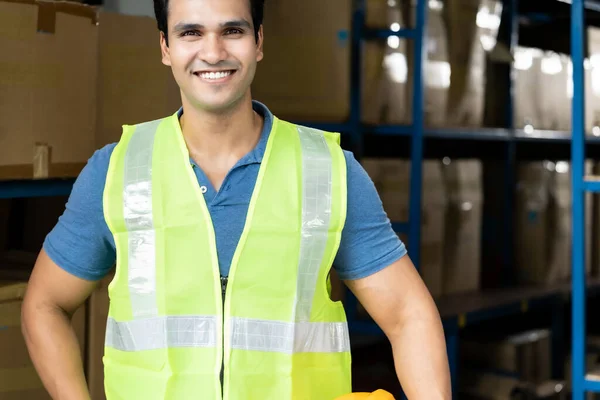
x=275 y=334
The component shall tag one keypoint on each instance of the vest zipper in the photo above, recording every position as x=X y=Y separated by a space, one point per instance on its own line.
x=223 y=290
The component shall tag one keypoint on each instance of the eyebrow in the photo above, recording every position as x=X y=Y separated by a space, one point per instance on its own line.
x=187 y=26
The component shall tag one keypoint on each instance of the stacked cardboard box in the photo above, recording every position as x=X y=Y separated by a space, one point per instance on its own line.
x=305 y=74
x=18 y=377
x=48 y=70
x=73 y=75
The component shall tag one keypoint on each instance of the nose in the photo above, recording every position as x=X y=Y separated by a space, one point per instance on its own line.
x=213 y=49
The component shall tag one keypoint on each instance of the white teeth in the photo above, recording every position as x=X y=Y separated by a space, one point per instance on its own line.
x=215 y=75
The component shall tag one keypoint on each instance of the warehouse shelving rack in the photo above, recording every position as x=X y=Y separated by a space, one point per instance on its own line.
x=458 y=311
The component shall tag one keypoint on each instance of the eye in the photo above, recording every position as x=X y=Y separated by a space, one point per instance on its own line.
x=190 y=33
x=234 y=31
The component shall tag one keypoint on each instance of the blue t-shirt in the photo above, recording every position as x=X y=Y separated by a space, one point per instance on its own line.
x=82 y=244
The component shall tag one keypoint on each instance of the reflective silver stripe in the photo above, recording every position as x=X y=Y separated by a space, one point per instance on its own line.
x=288 y=337
x=316 y=215
x=161 y=332
x=137 y=211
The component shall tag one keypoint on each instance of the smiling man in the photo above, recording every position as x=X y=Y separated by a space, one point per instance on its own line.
x=225 y=222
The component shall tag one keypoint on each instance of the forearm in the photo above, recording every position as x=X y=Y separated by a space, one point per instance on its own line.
x=420 y=357
x=55 y=352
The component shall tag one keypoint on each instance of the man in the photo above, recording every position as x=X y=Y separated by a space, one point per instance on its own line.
x=224 y=222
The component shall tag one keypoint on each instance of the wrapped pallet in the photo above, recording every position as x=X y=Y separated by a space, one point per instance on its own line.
x=555 y=100
x=560 y=217
x=453 y=72
x=527 y=72
x=375 y=85
x=592 y=83
x=531 y=233
x=552 y=88
x=462 y=242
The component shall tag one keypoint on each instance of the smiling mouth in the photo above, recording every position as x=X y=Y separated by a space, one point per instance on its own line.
x=214 y=76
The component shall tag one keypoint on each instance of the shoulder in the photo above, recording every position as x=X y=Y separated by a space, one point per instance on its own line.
x=96 y=168
x=369 y=243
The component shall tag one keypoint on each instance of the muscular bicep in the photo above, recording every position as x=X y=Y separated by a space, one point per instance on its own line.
x=393 y=295
x=51 y=287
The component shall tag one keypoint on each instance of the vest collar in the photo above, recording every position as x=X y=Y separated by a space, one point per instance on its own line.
x=255 y=156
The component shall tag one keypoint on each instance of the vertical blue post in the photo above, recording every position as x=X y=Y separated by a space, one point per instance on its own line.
x=358 y=23
x=416 y=152
x=452 y=332
x=510 y=173
x=357 y=28
x=577 y=160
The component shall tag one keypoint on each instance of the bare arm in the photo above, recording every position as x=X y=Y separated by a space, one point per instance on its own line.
x=52 y=297
x=399 y=302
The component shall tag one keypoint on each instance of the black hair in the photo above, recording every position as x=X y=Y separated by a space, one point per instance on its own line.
x=161 y=11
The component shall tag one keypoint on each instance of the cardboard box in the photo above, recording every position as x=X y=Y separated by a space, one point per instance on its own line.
x=18 y=377
x=462 y=242
x=305 y=74
x=48 y=70
x=127 y=92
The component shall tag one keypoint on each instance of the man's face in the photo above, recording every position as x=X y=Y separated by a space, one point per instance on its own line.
x=212 y=51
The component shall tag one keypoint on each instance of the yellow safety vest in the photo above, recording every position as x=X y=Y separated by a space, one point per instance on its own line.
x=276 y=334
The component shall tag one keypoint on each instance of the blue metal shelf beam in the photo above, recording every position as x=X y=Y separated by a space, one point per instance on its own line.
x=591 y=386
x=591 y=5
x=35 y=188
x=591 y=186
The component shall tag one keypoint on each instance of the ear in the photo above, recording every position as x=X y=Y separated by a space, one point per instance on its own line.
x=259 y=46
x=164 y=49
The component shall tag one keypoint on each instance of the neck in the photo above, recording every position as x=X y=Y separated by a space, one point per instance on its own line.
x=230 y=133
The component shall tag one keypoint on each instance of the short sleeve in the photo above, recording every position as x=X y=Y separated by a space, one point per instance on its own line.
x=81 y=242
x=368 y=243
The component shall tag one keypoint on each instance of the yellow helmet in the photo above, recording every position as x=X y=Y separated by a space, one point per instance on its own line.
x=377 y=395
